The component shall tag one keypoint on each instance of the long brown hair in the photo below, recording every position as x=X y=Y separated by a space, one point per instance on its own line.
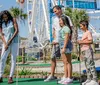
x=6 y=12
x=67 y=23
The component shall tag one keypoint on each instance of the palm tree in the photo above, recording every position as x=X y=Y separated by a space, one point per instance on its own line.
x=76 y=16
x=18 y=14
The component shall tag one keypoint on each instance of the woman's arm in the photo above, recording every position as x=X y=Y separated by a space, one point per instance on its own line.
x=85 y=41
x=15 y=32
x=65 y=42
x=2 y=37
x=88 y=41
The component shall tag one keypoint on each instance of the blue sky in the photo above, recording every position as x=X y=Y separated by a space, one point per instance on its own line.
x=6 y=5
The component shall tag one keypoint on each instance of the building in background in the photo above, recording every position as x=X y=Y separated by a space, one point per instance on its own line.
x=83 y=4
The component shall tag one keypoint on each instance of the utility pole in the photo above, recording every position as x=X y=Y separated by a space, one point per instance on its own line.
x=50 y=8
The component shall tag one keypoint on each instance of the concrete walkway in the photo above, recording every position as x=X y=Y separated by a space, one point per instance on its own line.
x=59 y=69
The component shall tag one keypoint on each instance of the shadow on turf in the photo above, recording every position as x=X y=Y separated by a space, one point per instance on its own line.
x=30 y=80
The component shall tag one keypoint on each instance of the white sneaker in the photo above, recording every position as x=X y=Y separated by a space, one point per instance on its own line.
x=87 y=81
x=62 y=80
x=67 y=81
x=92 y=82
x=49 y=78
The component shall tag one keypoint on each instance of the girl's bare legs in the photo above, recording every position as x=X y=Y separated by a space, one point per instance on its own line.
x=67 y=65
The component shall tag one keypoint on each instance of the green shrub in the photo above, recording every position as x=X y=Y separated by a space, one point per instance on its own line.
x=8 y=59
x=74 y=56
x=98 y=75
x=7 y=70
x=34 y=59
x=19 y=59
x=25 y=71
x=76 y=74
x=44 y=73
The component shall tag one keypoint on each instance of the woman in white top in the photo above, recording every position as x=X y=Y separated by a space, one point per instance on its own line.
x=9 y=36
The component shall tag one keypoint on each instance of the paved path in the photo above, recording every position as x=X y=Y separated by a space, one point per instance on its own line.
x=59 y=68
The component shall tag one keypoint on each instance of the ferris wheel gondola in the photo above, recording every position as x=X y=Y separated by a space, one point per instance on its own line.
x=20 y=1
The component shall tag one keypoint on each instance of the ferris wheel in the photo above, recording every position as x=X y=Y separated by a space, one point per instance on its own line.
x=38 y=12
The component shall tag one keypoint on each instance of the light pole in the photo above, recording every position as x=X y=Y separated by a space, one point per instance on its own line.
x=73 y=5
